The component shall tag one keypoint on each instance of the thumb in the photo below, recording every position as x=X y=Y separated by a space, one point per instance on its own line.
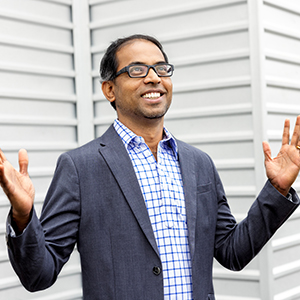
x=23 y=161
x=267 y=151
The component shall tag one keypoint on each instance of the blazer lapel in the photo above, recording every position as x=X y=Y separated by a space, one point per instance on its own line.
x=114 y=153
x=190 y=190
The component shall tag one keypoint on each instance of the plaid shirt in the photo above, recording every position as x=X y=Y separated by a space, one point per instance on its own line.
x=161 y=185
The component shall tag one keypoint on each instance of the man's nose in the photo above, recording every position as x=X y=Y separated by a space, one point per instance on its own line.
x=152 y=77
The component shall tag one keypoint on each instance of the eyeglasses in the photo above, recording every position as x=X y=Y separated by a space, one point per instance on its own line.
x=140 y=70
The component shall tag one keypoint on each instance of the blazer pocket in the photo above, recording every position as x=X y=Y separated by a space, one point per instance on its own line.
x=204 y=188
x=205 y=208
x=210 y=297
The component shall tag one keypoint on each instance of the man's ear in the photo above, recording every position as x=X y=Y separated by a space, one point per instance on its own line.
x=108 y=90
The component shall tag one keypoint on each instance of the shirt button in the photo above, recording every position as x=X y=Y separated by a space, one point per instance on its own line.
x=156 y=271
x=169 y=225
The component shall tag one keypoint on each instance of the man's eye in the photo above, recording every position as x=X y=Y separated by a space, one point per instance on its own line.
x=137 y=69
x=162 y=69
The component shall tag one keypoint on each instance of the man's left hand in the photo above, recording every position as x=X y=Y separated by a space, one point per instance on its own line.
x=283 y=170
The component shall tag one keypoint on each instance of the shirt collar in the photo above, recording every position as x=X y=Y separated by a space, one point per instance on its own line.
x=129 y=138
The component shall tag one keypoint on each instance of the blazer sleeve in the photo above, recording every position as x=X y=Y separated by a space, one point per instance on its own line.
x=237 y=243
x=39 y=253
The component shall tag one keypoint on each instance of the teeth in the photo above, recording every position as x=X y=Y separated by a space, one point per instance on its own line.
x=151 y=95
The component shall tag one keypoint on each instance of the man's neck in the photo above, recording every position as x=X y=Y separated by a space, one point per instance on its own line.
x=150 y=130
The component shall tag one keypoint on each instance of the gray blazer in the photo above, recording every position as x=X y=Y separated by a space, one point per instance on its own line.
x=95 y=201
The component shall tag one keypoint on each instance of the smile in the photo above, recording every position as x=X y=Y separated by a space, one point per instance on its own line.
x=153 y=95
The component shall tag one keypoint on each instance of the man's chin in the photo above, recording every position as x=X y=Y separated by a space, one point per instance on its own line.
x=155 y=115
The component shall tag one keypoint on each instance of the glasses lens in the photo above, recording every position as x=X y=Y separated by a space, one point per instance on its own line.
x=164 y=70
x=138 y=70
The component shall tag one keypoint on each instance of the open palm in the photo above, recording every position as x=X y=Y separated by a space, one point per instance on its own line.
x=283 y=170
x=17 y=185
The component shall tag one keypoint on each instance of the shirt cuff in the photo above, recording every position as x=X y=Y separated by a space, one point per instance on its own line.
x=11 y=229
x=11 y=232
x=290 y=197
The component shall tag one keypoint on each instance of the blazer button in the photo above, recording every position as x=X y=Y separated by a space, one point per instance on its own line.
x=156 y=271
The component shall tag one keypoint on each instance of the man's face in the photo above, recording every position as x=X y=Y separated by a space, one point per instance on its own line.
x=141 y=99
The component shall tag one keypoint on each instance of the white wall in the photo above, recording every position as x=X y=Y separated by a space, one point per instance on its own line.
x=237 y=69
x=281 y=98
x=38 y=112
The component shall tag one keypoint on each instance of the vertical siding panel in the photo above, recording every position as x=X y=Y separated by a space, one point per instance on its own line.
x=83 y=66
x=38 y=112
x=258 y=85
x=282 y=73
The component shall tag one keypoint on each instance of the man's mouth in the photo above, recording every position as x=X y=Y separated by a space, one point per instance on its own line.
x=153 y=95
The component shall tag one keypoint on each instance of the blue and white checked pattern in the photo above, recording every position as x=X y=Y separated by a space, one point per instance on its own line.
x=162 y=188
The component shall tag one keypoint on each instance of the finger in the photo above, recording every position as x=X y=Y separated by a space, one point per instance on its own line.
x=2 y=157
x=296 y=133
x=286 y=132
x=2 y=177
x=267 y=151
x=3 y=180
x=23 y=161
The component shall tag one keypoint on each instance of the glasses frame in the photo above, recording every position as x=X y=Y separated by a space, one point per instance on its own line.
x=126 y=69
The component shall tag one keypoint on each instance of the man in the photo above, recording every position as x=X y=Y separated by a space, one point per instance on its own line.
x=147 y=211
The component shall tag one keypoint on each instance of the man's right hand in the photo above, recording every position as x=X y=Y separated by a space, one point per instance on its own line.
x=18 y=187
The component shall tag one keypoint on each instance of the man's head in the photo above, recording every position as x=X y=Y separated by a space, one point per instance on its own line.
x=136 y=79
x=109 y=62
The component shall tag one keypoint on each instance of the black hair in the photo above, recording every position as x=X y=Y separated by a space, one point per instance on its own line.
x=109 y=63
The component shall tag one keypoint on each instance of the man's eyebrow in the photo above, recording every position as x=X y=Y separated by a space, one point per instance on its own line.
x=142 y=63
x=137 y=63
